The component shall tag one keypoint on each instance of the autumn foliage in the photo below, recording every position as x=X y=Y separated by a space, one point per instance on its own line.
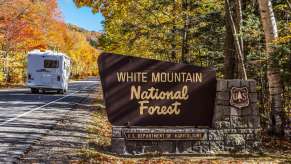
x=32 y=24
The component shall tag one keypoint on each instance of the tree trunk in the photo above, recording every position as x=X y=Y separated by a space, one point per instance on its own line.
x=6 y=67
x=239 y=20
x=241 y=70
x=173 y=44
x=173 y=38
x=234 y=43
x=185 y=46
x=273 y=72
x=229 y=52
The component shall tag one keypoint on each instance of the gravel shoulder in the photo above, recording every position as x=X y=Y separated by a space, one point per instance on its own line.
x=62 y=144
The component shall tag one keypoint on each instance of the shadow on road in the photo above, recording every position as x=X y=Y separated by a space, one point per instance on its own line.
x=65 y=140
x=18 y=135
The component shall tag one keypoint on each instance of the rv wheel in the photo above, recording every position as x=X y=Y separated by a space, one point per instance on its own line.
x=61 y=91
x=34 y=90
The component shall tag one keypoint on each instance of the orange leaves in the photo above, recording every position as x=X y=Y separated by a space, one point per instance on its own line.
x=16 y=28
x=26 y=25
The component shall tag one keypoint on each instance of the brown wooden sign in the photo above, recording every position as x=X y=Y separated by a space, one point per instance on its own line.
x=148 y=92
x=239 y=97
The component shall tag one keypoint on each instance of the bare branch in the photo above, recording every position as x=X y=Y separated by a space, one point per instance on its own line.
x=237 y=42
x=288 y=4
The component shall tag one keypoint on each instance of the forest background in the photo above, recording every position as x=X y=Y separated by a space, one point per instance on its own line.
x=26 y=25
x=239 y=38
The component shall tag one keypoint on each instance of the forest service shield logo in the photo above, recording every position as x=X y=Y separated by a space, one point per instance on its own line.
x=239 y=97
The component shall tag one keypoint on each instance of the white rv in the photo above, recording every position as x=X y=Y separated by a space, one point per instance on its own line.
x=48 y=71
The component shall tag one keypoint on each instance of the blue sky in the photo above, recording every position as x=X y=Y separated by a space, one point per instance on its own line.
x=82 y=17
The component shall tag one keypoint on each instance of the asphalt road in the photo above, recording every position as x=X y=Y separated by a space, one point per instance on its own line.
x=26 y=117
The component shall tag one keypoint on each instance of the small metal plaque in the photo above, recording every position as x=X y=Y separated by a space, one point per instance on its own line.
x=163 y=136
x=239 y=97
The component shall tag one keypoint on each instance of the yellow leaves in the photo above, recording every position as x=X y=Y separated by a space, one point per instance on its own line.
x=83 y=55
x=284 y=39
x=1 y=77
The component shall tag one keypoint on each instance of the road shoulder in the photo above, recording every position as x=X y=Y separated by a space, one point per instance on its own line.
x=64 y=142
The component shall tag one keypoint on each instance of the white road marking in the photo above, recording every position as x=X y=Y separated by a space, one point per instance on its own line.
x=25 y=113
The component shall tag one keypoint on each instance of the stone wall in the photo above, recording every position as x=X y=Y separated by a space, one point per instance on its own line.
x=219 y=141
x=234 y=129
x=241 y=126
x=233 y=117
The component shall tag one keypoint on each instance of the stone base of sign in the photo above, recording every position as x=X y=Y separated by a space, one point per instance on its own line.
x=206 y=141
x=231 y=116
x=234 y=130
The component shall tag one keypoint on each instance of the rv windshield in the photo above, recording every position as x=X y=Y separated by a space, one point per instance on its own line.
x=51 y=64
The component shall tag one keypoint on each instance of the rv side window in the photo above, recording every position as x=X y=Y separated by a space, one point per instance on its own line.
x=51 y=64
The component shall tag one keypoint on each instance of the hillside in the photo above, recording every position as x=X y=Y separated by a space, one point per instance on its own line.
x=91 y=36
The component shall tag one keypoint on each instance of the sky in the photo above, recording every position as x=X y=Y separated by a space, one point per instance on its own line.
x=82 y=17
